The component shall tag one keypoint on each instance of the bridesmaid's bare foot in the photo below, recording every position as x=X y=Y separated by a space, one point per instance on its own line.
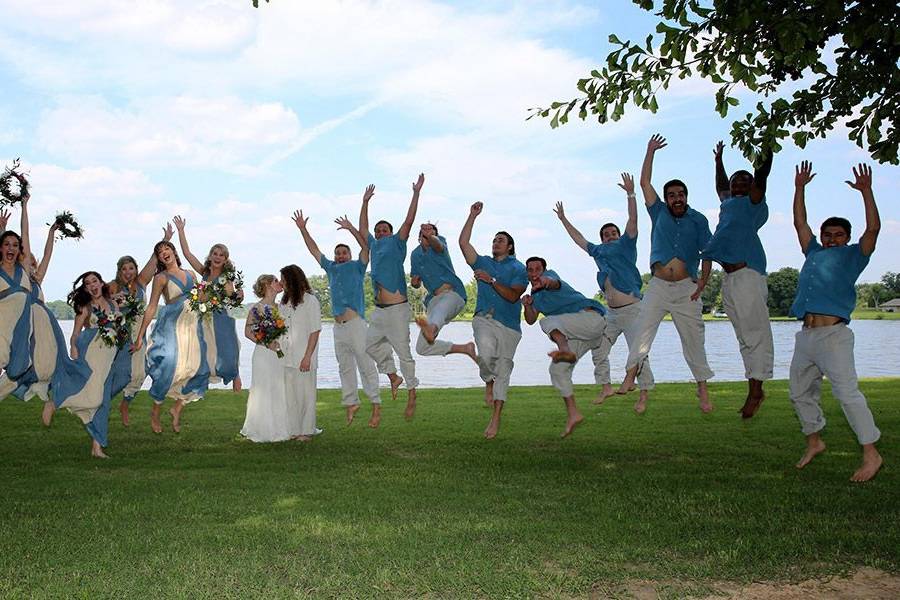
x=47 y=413
x=123 y=408
x=97 y=450
x=176 y=417
x=236 y=384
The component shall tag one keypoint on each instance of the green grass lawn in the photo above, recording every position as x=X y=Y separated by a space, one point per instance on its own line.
x=430 y=508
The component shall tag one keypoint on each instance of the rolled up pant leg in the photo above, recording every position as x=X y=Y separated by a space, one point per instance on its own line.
x=745 y=296
x=654 y=308
x=346 y=359
x=496 y=346
x=441 y=310
x=377 y=344
x=688 y=317
x=398 y=336
x=585 y=331
x=600 y=355
x=627 y=319
x=364 y=363
x=488 y=347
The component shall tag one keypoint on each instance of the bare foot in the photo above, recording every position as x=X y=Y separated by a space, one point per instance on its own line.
x=47 y=413
x=375 y=420
x=155 y=425
x=604 y=393
x=429 y=331
x=628 y=382
x=640 y=407
x=301 y=438
x=814 y=447
x=351 y=412
x=123 y=408
x=396 y=382
x=870 y=465
x=560 y=356
x=176 y=419
x=703 y=395
x=751 y=406
x=97 y=451
x=410 y=411
x=489 y=394
x=469 y=350
x=236 y=384
x=492 y=429
x=572 y=423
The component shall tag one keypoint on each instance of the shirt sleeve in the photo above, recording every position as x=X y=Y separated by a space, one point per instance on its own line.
x=325 y=263
x=520 y=276
x=594 y=250
x=479 y=262
x=703 y=232
x=415 y=262
x=813 y=246
x=313 y=313
x=653 y=209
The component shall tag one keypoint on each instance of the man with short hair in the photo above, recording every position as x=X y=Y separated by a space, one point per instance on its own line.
x=430 y=265
x=678 y=235
x=826 y=295
x=498 y=313
x=736 y=246
x=573 y=321
x=348 y=307
x=620 y=281
x=389 y=322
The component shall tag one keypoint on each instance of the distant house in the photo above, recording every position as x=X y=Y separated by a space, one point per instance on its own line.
x=890 y=305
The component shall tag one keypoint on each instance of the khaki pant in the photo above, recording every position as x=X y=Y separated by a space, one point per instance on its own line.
x=618 y=321
x=389 y=333
x=496 y=347
x=672 y=297
x=828 y=351
x=584 y=330
x=441 y=310
x=745 y=294
x=350 y=352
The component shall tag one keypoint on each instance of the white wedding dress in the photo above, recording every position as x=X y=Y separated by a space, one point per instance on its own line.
x=267 y=417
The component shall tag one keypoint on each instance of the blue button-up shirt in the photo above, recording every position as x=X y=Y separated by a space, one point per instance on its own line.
x=827 y=280
x=736 y=239
x=617 y=261
x=682 y=237
x=387 y=256
x=345 y=281
x=509 y=272
x=564 y=301
x=435 y=269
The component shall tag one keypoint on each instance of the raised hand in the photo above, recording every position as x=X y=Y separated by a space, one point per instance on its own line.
x=168 y=232
x=344 y=223
x=370 y=191
x=180 y=222
x=299 y=220
x=54 y=227
x=417 y=185
x=863 y=176
x=560 y=211
x=627 y=183
x=476 y=209
x=656 y=142
x=23 y=185
x=4 y=218
x=803 y=174
x=717 y=153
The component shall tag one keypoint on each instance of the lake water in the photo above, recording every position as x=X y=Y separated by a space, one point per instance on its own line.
x=877 y=343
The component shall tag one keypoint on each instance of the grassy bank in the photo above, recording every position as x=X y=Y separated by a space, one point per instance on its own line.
x=431 y=508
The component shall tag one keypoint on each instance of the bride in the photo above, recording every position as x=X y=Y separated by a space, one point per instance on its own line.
x=267 y=408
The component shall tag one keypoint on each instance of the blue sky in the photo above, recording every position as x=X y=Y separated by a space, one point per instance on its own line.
x=128 y=113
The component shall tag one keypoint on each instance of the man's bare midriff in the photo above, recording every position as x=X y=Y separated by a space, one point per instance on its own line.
x=444 y=288
x=732 y=267
x=347 y=315
x=674 y=270
x=387 y=298
x=816 y=320
x=615 y=298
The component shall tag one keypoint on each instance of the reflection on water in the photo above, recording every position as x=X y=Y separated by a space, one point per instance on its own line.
x=872 y=340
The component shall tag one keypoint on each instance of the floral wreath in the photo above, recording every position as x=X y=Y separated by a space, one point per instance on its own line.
x=67 y=226
x=7 y=196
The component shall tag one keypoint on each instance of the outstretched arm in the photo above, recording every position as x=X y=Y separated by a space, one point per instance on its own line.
x=628 y=185
x=863 y=184
x=344 y=223
x=723 y=186
x=656 y=142
x=706 y=267
x=761 y=178
x=80 y=319
x=48 y=253
x=301 y=222
x=406 y=227
x=149 y=269
x=26 y=239
x=466 y=234
x=531 y=315
x=433 y=241
x=159 y=283
x=364 y=210
x=570 y=229
x=802 y=175
x=185 y=249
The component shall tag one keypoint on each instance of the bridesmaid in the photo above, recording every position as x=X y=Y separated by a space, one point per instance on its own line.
x=223 y=346
x=130 y=370
x=176 y=355
x=91 y=301
x=302 y=313
x=15 y=305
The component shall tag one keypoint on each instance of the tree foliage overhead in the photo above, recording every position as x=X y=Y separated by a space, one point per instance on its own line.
x=777 y=48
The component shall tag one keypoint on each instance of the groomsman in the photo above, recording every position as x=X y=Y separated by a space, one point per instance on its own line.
x=574 y=322
x=498 y=312
x=678 y=235
x=389 y=322
x=620 y=281
x=736 y=246
x=348 y=307
x=430 y=265
x=826 y=295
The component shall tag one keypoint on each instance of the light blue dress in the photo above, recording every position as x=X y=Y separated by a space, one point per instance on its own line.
x=223 y=346
x=129 y=370
x=176 y=356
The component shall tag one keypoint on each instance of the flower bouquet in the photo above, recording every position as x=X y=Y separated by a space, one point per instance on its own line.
x=219 y=289
x=267 y=326
x=112 y=330
x=13 y=185
x=201 y=301
x=132 y=307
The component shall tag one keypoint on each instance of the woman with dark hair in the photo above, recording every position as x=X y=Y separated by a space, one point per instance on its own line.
x=130 y=370
x=303 y=314
x=93 y=305
x=176 y=355
x=223 y=347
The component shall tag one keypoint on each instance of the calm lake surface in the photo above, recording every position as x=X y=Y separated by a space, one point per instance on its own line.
x=876 y=350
